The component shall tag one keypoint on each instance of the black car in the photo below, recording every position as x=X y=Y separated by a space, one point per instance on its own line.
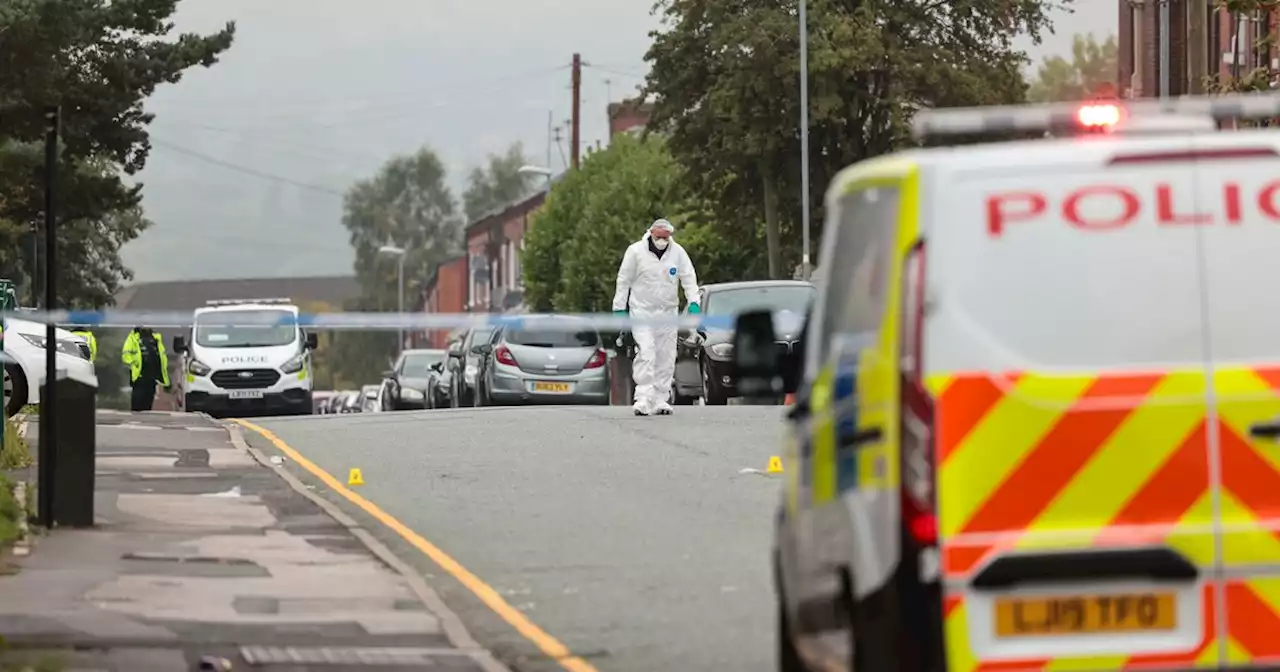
x=704 y=358
x=466 y=366
x=440 y=380
x=407 y=383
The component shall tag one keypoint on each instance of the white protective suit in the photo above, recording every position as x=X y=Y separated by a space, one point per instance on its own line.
x=652 y=282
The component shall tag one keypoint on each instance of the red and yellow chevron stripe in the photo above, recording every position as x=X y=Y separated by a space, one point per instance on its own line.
x=1053 y=461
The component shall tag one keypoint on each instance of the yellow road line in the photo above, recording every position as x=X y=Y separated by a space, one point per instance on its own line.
x=539 y=637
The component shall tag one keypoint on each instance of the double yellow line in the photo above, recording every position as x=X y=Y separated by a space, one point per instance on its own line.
x=549 y=645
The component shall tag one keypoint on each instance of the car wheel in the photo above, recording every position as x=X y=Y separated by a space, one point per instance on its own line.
x=712 y=393
x=15 y=390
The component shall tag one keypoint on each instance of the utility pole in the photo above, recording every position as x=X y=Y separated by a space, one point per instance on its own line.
x=577 y=113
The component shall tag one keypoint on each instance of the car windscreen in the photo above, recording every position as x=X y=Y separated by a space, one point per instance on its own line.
x=731 y=302
x=553 y=338
x=418 y=365
x=245 y=329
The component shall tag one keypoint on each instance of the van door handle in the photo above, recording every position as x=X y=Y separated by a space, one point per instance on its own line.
x=1265 y=430
x=860 y=437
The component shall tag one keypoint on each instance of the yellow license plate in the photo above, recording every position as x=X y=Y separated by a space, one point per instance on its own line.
x=1086 y=614
x=540 y=386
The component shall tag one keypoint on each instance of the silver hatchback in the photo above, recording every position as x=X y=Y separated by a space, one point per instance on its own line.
x=549 y=366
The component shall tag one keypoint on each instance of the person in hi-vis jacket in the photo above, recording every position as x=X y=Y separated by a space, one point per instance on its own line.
x=144 y=354
x=652 y=271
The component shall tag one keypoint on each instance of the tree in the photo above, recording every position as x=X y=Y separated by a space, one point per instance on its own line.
x=407 y=205
x=577 y=239
x=725 y=79
x=1091 y=65
x=1263 y=77
x=99 y=61
x=498 y=185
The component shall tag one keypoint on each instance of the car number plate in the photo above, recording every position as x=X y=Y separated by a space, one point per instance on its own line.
x=245 y=394
x=1066 y=615
x=557 y=388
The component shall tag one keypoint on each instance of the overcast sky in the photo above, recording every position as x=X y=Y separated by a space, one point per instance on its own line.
x=320 y=92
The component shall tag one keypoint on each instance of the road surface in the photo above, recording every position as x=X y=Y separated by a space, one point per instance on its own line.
x=636 y=542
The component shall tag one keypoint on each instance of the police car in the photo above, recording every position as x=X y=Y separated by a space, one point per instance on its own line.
x=1038 y=425
x=247 y=357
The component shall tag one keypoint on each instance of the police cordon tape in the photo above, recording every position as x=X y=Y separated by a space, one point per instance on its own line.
x=785 y=320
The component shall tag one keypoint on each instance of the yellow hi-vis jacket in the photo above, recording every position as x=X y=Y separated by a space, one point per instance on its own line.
x=93 y=343
x=131 y=354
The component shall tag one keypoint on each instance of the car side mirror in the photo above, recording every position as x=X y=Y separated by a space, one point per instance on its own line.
x=482 y=349
x=756 y=362
x=313 y=341
x=179 y=344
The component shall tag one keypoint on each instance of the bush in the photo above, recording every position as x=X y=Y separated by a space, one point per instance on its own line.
x=14 y=454
x=11 y=512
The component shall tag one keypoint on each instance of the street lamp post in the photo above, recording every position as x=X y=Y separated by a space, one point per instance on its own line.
x=537 y=170
x=804 y=137
x=397 y=252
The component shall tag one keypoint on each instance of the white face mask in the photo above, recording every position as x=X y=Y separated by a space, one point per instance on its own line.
x=661 y=243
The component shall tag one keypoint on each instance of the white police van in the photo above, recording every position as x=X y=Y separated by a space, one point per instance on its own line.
x=246 y=357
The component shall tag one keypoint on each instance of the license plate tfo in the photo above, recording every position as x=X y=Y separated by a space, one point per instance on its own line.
x=1065 y=615
x=245 y=394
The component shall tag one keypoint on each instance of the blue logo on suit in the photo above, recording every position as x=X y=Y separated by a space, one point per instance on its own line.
x=671 y=271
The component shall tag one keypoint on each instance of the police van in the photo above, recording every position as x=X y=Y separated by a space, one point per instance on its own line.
x=247 y=357
x=1038 y=425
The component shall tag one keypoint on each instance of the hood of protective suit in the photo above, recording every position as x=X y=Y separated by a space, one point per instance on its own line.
x=653 y=283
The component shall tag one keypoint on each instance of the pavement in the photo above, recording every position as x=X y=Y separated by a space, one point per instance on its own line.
x=637 y=543
x=202 y=547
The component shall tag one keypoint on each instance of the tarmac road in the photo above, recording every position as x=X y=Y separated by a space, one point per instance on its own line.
x=636 y=542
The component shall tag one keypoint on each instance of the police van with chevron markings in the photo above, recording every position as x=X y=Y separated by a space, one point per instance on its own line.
x=1038 y=425
x=247 y=357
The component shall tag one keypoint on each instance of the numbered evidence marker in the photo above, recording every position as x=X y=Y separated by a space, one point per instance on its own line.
x=775 y=465
x=354 y=477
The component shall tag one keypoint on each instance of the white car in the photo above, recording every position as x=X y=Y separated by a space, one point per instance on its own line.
x=25 y=342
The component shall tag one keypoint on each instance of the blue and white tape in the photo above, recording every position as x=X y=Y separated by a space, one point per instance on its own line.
x=784 y=320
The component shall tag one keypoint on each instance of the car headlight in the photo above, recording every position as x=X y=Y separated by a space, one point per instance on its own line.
x=292 y=366
x=198 y=368
x=66 y=346
x=410 y=393
x=721 y=349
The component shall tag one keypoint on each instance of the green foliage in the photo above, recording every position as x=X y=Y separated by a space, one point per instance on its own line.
x=99 y=61
x=1253 y=79
x=725 y=77
x=408 y=205
x=11 y=512
x=577 y=239
x=15 y=453
x=112 y=374
x=498 y=185
x=1091 y=65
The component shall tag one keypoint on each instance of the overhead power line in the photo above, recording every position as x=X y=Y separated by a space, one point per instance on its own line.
x=244 y=170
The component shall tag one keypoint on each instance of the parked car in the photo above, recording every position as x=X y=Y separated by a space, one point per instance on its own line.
x=704 y=358
x=467 y=365
x=407 y=382
x=352 y=402
x=543 y=365
x=24 y=342
x=371 y=398
x=440 y=378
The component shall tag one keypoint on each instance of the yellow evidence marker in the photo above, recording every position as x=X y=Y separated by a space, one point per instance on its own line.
x=775 y=465
x=355 y=477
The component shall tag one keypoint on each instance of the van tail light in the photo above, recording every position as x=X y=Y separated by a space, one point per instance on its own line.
x=597 y=360
x=504 y=356
x=919 y=477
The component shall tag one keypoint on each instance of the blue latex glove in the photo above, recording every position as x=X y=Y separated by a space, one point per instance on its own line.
x=694 y=309
x=620 y=313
